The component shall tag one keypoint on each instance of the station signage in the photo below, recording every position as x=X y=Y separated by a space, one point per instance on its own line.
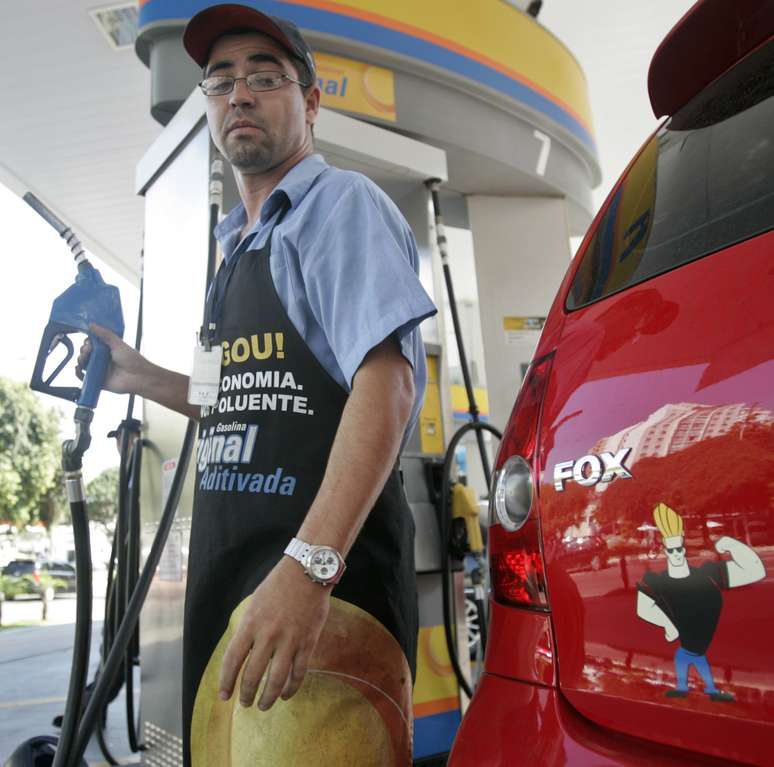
x=354 y=86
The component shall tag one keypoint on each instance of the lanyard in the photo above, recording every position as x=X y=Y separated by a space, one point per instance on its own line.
x=214 y=306
x=215 y=298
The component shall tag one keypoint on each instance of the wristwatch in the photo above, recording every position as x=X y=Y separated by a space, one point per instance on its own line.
x=323 y=564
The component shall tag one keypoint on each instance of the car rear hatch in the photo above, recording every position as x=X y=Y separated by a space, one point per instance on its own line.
x=657 y=437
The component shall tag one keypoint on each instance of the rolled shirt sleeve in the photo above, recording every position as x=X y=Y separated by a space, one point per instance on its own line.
x=360 y=275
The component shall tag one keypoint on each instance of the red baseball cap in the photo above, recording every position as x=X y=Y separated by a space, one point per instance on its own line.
x=208 y=25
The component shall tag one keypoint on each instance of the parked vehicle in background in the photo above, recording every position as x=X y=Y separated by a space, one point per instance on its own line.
x=648 y=415
x=63 y=574
x=40 y=578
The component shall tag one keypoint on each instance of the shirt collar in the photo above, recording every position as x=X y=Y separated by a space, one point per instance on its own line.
x=293 y=188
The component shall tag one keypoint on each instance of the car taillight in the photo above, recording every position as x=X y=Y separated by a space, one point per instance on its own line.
x=515 y=553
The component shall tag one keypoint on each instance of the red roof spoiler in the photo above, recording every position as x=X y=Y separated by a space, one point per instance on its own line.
x=707 y=41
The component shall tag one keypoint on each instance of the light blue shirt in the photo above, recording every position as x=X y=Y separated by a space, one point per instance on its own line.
x=344 y=264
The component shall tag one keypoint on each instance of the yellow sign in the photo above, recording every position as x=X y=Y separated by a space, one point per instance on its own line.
x=435 y=689
x=430 y=421
x=523 y=323
x=354 y=86
x=460 y=404
x=522 y=329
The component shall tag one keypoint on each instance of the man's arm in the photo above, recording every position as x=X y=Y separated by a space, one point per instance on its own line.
x=130 y=373
x=745 y=566
x=649 y=611
x=287 y=612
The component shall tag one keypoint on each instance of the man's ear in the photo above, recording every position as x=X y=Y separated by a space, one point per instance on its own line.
x=312 y=102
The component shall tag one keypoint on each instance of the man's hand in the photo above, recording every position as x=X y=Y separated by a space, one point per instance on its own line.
x=130 y=373
x=278 y=631
x=670 y=632
x=127 y=366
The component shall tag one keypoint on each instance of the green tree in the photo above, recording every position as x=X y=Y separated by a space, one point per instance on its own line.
x=29 y=453
x=54 y=506
x=102 y=497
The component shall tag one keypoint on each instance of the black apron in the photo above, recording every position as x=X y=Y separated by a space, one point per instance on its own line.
x=262 y=454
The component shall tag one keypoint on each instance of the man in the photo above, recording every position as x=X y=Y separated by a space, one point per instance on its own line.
x=686 y=601
x=316 y=310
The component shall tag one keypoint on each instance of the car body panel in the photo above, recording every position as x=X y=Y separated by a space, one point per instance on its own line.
x=655 y=457
x=63 y=573
x=689 y=392
x=520 y=645
x=513 y=723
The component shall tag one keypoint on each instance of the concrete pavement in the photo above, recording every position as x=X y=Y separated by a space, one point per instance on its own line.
x=34 y=675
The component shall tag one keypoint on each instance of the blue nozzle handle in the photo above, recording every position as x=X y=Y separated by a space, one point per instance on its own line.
x=89 y=300
x=95 y=373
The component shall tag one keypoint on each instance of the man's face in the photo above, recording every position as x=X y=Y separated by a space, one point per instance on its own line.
x=674 y=548
x=256 y=132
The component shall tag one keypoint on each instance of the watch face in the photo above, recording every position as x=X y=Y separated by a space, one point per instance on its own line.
x=323 y=563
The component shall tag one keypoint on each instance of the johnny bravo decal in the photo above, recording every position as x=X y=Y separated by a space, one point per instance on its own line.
x=686 y=601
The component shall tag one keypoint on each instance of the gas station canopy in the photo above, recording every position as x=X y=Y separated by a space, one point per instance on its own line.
x=483 y=82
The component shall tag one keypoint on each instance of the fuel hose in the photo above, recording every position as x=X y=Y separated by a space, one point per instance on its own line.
x=123 y=638
x=476 y=425
x=123 y=568
x=444 y=515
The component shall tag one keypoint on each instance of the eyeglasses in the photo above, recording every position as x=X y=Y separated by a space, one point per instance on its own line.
x=675 y=549
x=220 y=85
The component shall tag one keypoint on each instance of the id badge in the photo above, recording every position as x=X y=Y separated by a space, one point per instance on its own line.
x=204 y=382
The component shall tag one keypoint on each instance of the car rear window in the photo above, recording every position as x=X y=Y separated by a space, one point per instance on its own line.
x=704 y=182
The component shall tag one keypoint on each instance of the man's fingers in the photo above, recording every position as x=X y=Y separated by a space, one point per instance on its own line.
x=84 y=353
x=108 y=336
x=278 y=673
x=235 y=655
x=297 y=674
x=253 y=672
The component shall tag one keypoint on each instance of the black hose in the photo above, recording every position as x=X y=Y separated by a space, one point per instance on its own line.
x=127 y=628
x=124 y=559
x=115 y=595
x=433 y=185
x=82 y=643
x=133 y=559
x=443 y=523
x=216 y=203
x=102 y=743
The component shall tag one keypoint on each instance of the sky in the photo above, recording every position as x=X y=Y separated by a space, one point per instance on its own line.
x=613 y=41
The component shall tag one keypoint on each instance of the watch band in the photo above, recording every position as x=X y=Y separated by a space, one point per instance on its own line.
x=303 y=552
x=298 y=549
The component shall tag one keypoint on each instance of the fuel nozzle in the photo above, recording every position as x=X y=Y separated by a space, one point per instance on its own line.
x=73 y=449
x=89 y=300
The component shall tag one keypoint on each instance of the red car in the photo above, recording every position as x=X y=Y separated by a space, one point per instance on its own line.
x=647 y=418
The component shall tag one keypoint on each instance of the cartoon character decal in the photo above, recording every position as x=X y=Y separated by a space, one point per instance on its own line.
x=686 y=601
